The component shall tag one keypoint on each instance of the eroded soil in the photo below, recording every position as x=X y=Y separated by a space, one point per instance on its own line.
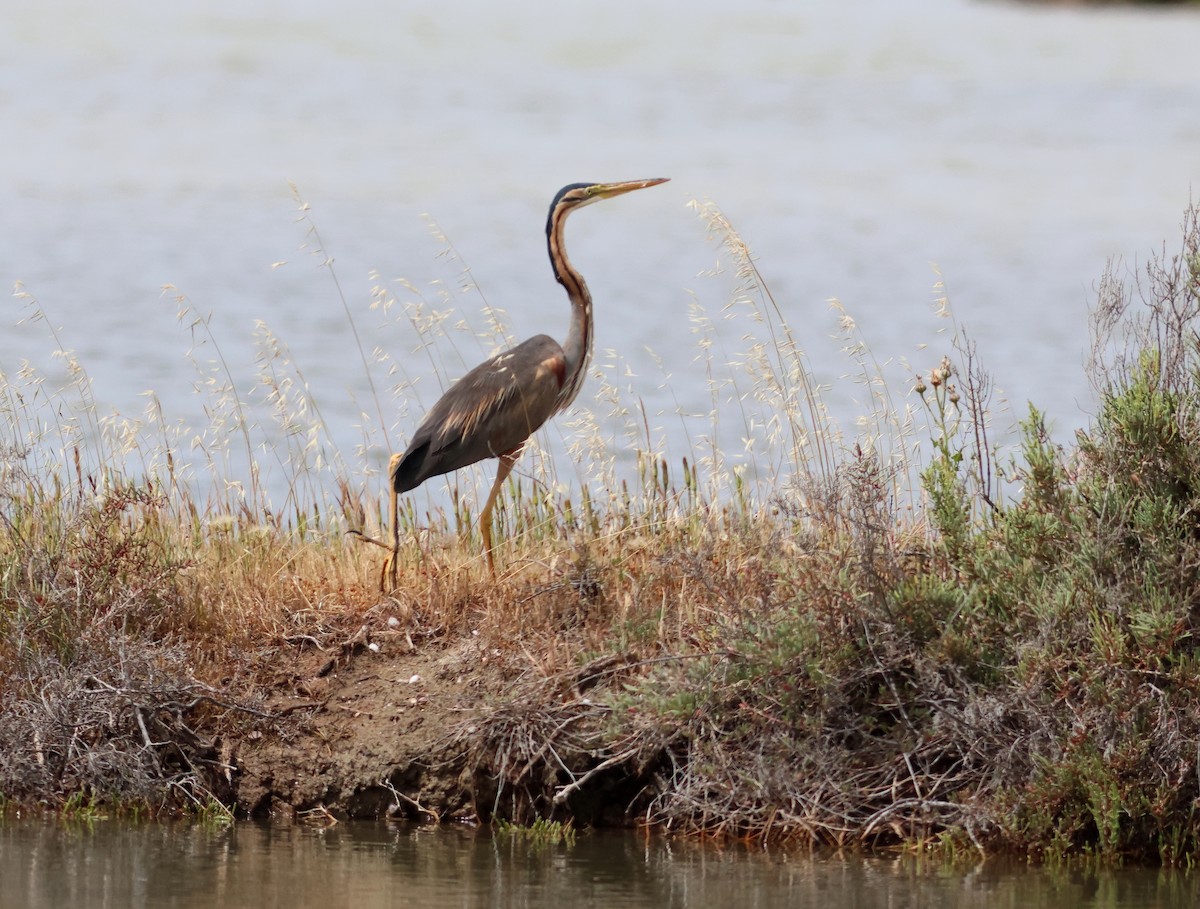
x=370 y=727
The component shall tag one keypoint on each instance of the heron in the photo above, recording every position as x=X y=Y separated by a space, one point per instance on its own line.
x=492 y=411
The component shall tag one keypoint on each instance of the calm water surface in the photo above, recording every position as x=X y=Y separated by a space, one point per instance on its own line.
x=368 y=865
x=1017 y=147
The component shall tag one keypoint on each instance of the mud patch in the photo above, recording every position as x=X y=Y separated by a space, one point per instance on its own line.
x=374 y=727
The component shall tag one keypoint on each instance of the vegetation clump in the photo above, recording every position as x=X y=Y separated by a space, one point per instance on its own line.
x=966 y=647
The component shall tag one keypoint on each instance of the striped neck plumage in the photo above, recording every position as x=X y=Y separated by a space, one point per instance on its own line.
x=578 y=346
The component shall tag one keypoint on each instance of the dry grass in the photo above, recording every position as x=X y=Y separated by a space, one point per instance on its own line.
x=843 y=638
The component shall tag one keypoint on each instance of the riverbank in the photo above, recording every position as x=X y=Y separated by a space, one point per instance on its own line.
x=958 y=651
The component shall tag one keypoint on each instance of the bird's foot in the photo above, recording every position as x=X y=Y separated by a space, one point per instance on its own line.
x=387 y=574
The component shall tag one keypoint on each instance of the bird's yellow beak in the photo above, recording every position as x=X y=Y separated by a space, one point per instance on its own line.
x=608 y=190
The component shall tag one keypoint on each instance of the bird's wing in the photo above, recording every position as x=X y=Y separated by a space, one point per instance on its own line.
x=490 y=411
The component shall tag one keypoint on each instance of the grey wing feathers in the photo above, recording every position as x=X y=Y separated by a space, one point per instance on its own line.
x=490 y=411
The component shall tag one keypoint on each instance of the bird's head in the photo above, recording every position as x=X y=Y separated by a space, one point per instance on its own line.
x=577 y=195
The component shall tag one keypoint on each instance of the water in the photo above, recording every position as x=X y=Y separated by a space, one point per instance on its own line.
x=853 y=144
x=370 y=865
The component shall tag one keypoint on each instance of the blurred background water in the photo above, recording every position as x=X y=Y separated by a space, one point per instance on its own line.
x=861 y=148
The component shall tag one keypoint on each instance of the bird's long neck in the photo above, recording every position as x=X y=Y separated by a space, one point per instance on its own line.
x=578 y=346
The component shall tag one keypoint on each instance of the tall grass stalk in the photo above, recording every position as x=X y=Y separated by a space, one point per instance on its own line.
x=318 y=249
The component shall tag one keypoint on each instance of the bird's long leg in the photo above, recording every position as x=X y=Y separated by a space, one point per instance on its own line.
x=394 y=517
x=485 y=517
x=387 y=574
x=391 y=566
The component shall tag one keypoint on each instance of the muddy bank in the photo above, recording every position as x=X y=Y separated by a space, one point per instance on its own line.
x=389 y=723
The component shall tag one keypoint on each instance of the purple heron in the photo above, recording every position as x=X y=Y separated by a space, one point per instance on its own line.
x=493 y=410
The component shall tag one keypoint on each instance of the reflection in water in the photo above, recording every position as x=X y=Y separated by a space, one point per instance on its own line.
x=367 y=865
